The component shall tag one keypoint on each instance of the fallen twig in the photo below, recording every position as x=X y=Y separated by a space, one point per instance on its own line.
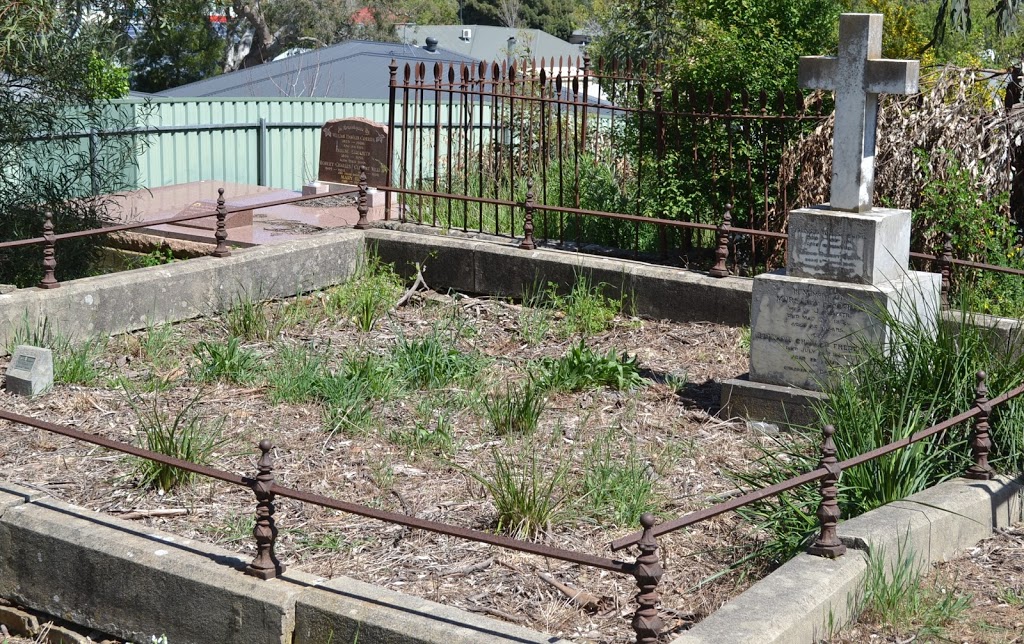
x=142 y=514
x=416 y=286
x=581 y=598
x=471 y=568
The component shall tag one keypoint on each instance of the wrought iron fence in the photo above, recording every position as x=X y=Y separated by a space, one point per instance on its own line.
x=645 y=568
x=604 y=138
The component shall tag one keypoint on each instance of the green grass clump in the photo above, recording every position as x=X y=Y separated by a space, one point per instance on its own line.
x=251 y=319
x=896 y=596
x=295 y=375
x=517 y=410
x=926 y=375
x=583 y=368
x=185 y=435
x=529 y=498
x=74 y=363
x=227 y=361
x=433 y=362
x=432 y=432
x=368 y=295
x=587 y=309
x=346 y=404
x=617 y=488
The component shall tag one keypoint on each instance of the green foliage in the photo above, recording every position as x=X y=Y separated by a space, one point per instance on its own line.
x=251 y=319
x=227 y=361
x=433 y=362
x=587 y=309
x=178 y=45
x=368 y=294
x=58 y=75
x=75 y=364
x=529 y=497
x=922 y=379
x=346 y=403
x=582 y=368
x=296 y=374
x=517 y=411
x=432 y=432
x=185 y=435
x=106 y=79
x=896 y=597
x=617 y=488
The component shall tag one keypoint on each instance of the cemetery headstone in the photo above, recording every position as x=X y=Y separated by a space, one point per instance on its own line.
x=847 y=262
x=348 y=144
x=30 y=372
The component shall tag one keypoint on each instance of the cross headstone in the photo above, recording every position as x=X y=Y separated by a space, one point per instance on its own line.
x=857 y=75
x=30 y=372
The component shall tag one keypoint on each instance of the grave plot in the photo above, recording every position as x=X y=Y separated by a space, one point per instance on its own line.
x=562 y=422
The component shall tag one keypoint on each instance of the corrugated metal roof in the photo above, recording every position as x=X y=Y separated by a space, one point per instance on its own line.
x=355 y=69
x=491 y=43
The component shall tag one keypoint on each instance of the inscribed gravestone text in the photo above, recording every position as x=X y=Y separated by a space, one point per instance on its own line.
x=348 y=144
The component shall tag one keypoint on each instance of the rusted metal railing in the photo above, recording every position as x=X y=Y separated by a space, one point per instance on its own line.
x=220 y=235
x=646 y=569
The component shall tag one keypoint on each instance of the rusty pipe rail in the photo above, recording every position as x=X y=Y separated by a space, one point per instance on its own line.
x=169 y=220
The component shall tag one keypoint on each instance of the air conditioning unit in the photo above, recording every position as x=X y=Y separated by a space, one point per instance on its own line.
x=467 y=34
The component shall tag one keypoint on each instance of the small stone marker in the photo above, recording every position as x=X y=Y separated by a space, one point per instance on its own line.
x=30 y=372
x=348 y=144
x=858 y=75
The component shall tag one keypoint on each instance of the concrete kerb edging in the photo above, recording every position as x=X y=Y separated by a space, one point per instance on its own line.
x=808 y=597
x=115 y=577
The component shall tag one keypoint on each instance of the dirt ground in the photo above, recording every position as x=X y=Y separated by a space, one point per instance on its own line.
x=669 y=425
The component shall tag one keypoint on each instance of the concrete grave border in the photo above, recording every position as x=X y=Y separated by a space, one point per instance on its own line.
x=40 y=534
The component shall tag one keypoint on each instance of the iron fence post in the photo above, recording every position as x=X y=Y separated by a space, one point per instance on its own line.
x=647 y=571
x=945 y=266
x=265 y=565
x=828 y=544
x=393 y=70
x=527 y=243
x=361 y=206
x=261 y=152
x=94 y=155
x=49 y=254
x=721 y=269
x=981 y=442
x=221 y=233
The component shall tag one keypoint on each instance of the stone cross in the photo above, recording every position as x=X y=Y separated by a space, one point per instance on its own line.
x=857 y=75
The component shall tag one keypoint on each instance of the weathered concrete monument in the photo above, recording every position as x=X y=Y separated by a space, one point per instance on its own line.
x=847 y=261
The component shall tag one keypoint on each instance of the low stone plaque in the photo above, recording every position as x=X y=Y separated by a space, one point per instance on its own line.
x=861 y=248
x=348 y=144
x=30 y=372
x=800 y=327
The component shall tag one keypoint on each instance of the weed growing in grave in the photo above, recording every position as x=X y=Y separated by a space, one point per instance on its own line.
x=227 y=361
x=617 y=488
x=432 y=432
x=534 y=318
x=382 y=471
x=76 y=364
x=375 y=373
x=237 y=527
x=346 y=403
x=893 y=595
x=368 y=295
x=583 y=368
x=252 y=320
x=41 y=334
x=433 y=362
x=529 y=498
x=295 y=375
x=185 y=435
x=157 y=345
x=517 y=411
x=587 y=310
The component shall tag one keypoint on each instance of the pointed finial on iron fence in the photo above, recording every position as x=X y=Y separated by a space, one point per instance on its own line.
x=648 y=572
x=828 y=544
x=221 y=233
x=265 y=565
x=527 y=243
x=49 y=253
x=721 y=268
x=981 y=442
x=361 y=205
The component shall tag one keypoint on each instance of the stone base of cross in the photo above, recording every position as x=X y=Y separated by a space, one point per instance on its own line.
x=847 y=262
